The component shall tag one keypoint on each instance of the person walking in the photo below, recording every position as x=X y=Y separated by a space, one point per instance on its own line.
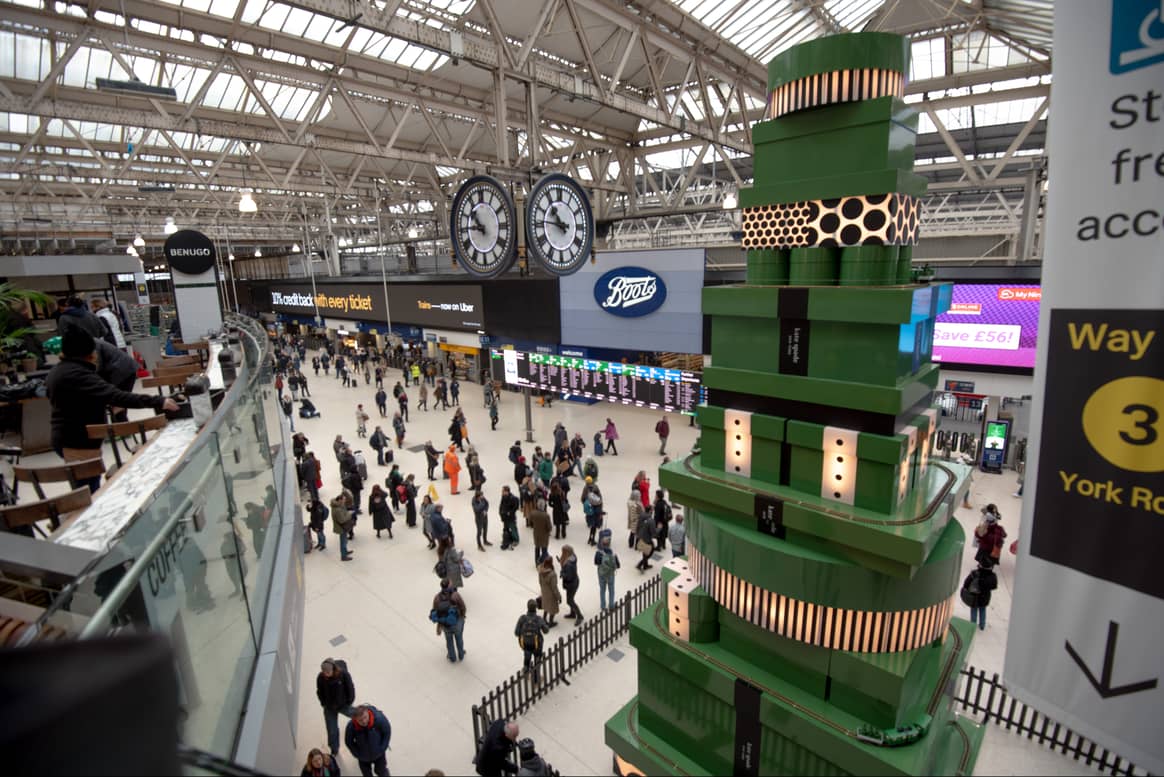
x=398 y=428
x=559 y=506
x=342 y=522
x=315 y=365
x=427 y=508
x=508 y=510
x=541 y=524
x=481 y=517
x=432 y=458
x=529 y=631
x=361 y=422
x=379 y=377
x=645 y=537
x=402 y=400
x=288 y=410
x=415 y=372
x=678 y=536
x=303 y=384
x=379 y=441
x=493 y=417
x=593 y=508
x=336 y=693
x=307 y=471
x=661 y=511
x=495 y=756
x=351 y=482
x=990 y=536
x=320 y=764
x=391 y=482
x=381 y=513
x=976 y=590
x=577 y=453
x=455 y=391
x=422 y=404
x=611 y=434
x=634 y=511
x=452 y=468
x=568 y=561
x=368 y=736
x=663 y=429
x=448 y=611
x=551 y=597
x=608 y=565
x=382 y=402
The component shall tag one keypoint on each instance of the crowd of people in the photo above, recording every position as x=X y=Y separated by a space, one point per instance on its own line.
x=540 y=496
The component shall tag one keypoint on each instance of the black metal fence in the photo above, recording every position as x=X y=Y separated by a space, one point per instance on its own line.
x=987 y=696
x=975 y=692
x=518 y=693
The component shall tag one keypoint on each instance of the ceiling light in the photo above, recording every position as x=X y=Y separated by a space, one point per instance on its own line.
x=139 y=241
x=294 y=248
x=258 y=253
x=730 y=202
x=137 y=89
x=129 y=249
x=230 y=257
x=246 y=203
x=170 y=227
x=413 y=234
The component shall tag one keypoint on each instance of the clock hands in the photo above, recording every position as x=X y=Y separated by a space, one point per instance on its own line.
x=553 y=211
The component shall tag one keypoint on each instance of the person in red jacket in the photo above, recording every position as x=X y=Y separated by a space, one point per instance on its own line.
x=991 y=536
x=644 y=484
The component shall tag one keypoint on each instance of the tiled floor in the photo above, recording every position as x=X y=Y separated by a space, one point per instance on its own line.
x=373 y=610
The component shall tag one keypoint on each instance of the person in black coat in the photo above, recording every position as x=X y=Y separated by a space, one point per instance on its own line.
x=336 y=693
x=976 y=590
x=382 y=516
x=495 y=756
x=79 y=396
x=570 y=582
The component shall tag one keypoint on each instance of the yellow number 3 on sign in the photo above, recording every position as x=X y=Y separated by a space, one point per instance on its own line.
x=1124 y=422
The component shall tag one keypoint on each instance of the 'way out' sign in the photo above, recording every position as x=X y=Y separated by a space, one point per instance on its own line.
x=1086 y=641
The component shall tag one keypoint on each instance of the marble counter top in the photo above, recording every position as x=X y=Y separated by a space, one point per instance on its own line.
x=118 y=501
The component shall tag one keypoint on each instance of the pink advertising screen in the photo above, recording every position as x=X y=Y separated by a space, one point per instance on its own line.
x=989 y=325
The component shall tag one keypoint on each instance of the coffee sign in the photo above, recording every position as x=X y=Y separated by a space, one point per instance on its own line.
x=189 y=251
x=630 y=292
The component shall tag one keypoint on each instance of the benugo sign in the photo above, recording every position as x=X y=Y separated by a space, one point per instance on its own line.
x=445 y=307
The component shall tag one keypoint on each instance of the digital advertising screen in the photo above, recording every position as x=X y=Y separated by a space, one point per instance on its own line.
x=657 y=388
x=989 y=325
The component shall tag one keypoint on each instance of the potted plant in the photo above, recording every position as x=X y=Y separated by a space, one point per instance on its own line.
x=17 y=336
x=28 y=362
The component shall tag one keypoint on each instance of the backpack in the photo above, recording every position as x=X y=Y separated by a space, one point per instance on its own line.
x=971 y=591
x=531 y=633
x=441 y=569
x=608 y=566
x=402 y=493
x=444 y=613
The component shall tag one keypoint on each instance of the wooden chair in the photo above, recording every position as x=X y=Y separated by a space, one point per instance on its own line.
x=114 y=432
x=200 y=347
x=30 y=513
x=71 y=472
x=176 y=361
x=174 y=383
x=184 y=371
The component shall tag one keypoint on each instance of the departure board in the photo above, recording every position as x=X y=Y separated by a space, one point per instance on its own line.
x=657 y=388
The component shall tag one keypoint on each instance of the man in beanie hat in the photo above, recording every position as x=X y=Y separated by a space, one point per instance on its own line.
x=80 y=396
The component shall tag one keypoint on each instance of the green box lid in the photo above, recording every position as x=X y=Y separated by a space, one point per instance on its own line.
x=851 y=51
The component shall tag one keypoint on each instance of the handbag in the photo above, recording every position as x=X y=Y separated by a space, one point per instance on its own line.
x=642 y=546
x=466 y=567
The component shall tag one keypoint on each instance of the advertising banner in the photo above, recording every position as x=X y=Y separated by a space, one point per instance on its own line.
x=989 y=324
x=444 y=306
x=636 y=300
x=1084 y=640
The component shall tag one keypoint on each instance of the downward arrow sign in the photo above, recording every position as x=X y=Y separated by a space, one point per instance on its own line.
x=1103 y=685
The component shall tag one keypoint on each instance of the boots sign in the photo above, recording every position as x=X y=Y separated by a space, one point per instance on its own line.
x=630 y=292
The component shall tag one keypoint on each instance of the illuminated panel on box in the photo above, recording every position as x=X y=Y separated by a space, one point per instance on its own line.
x=838 y=477
x=903 y=475
x=867 y=219
x=737 y=442
x=926 y=443
x=861 y=631
x=840 y=86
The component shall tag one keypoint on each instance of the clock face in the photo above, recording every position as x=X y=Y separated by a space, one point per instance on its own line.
x=559 y=226
x=484 y=227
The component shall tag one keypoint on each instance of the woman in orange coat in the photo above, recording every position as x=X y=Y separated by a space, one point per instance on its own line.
x=452 y=467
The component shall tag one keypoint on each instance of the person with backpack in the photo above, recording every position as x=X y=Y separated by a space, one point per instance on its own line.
x=398 y=428
x=432 y=458
x=382 y=402
x=337 y=694
x=592 y=508
x=378 y=441
x=317 y=513
x=493 y=758
x=647 y=532
x=515 y=453
x=393 y=480
x=990 y=536
x=351 y=482
x=507 y=508
x=520 y=471
x=406 y=493
x=976 y=590
x=368 y=736
x=342 y=522
x=590 y=470
x=663 y=429
x=662 y=515
x=481 y=518
x=568 y=561
x=448 y=613
x=550 y=597
x=382 y=517
x=608 y=564
x=529 y=631
x=678 y=536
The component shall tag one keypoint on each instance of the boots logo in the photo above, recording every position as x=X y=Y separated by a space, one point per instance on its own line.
x=630 y=292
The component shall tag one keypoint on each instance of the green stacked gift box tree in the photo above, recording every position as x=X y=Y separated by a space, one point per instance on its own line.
x=809 y=629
